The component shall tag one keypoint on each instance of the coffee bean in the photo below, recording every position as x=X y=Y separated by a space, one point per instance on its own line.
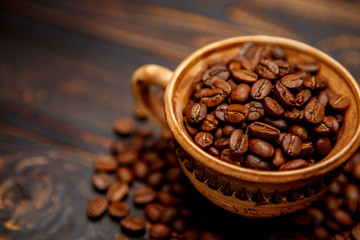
x=244 y=75
x=119 y=209
x=128 y=157
x=256 y=110
x=323 y=97
x=225 y=155
x=213 y=151
x=143 y=195
x=292 y=81
x=283 y=95
x=223 y=86
x=255 y=162
x=291 y=145
x=302 y=97
x=220 y=112
x=267 y=69
x=260 y=89
x=212 y=98
x=97 y=207
x=195 y=113
x=280 y=138
x=247 y=50
x=215 y=72
x=264 y=131
x=293 y=116
x=209 y=124
x=140 y=169
x=101 y=181
x=323 y=146
x=125 y=174
x=221 y=143
x=277 y=52
x=228 y=130
x=159 y=231
x=153 y=211
x=167 y=198
x=342 y=217
x=174 y=174
x=299 y=131
x=278 y=123
x=308 y=66
x=117 y=191
x=105 y=163
x=119 y=236
x=339 y=102
x=272 y=107
x=238 y=143
x=355 y=231
x=261 y=148
x=190 y=129
x=206 y=235
x=124 y=126
x=203 y=140
x=240 y=93
x=179 y=225
x=351 y=198
x=325 y=127
x=321 y=233
x=155 y=179
x=278 y=159
x=294 y=164
x=314 y=112
x=236 y=113
x=307 y=148
x=218 y=133
x=133 y=224
x=249 y=64
x=284 y=67
x=169 y=214
x=192 y=234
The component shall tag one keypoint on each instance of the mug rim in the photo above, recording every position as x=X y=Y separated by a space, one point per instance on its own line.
x=247 y=174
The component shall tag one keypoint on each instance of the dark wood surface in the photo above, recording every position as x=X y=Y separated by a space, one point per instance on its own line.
x=65 y=67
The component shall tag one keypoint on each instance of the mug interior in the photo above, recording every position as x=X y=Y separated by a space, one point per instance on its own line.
x=339 y=81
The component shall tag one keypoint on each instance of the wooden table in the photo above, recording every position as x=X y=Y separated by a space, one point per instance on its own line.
x=65 y=67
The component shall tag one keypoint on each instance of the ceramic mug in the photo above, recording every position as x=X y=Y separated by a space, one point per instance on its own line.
x=247 y=192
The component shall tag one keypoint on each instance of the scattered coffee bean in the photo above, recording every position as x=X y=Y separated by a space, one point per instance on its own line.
x=105 y=163
x=160 y=231
x=119 y=209
x=101 y=181
x=117 y=191
x=133 y=224
x=143 y=195
x=124 y=126
x=97 y=207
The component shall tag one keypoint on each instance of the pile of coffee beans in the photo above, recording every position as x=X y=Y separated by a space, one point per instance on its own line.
x=260 y=111
x=141 y=187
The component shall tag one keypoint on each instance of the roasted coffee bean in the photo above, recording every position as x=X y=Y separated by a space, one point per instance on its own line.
x=213 y=151
x=125 y=174
x=236 y=113
x=294 y=164
x=220 y=112
x=272 y=107
x=179 y=225
x=260 y=89
x=124 y=126
x=159 y=231
x=119 y=146
x=240 y=93
x=314 y=112
x=192 y=234
x=321 y=233
x=326 y=126
x=351 y=198
x=355 y=231
x=267 y=69
x=167 y=198
x=105 y=163
x=174 y=174
x=291 y=145
x=101 y=181
x=278 y=159
x=195 y=113
x=209 y=124
x=223 y=86
x=128 y=157
x=153 y=211
x=315 y=82
x=192 y=130
x=261 y=148
x=225 y=155
x=283 y=95
x=221 y=143
x=308 y=66
x=255 y=162
x=247 y=50
x=228 y=130
x=323 y=97
x=264 y=131
x=140 y=169
x=299 y=131
x=119 y=236
x=206 y=235
x=215 y=72
x=97 y=207
x=307 y=148
x=277 y=52
x=212 y=98
x=292 y=81
x=244 y=75
x=143 y=195
x=302 y=97
x=218 y=133
x=342 y=217
x=339 y=102
x=155 y=179
x=256 y=110
x=293 y=116
x=117 y=191
x=323 y=146
x=249 y=64
x=169 y=214
x=284 y=67
x=278 y=123
x=200 y=93
x=133 y=224
x=238 y=143
x=119 y=209
x=203 y=140
x=280 y=138
x=232 y=83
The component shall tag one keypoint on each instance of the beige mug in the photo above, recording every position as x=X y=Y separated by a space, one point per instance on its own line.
x=247 y=192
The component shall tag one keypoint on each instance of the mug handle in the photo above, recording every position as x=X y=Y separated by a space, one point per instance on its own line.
x=142 y=79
